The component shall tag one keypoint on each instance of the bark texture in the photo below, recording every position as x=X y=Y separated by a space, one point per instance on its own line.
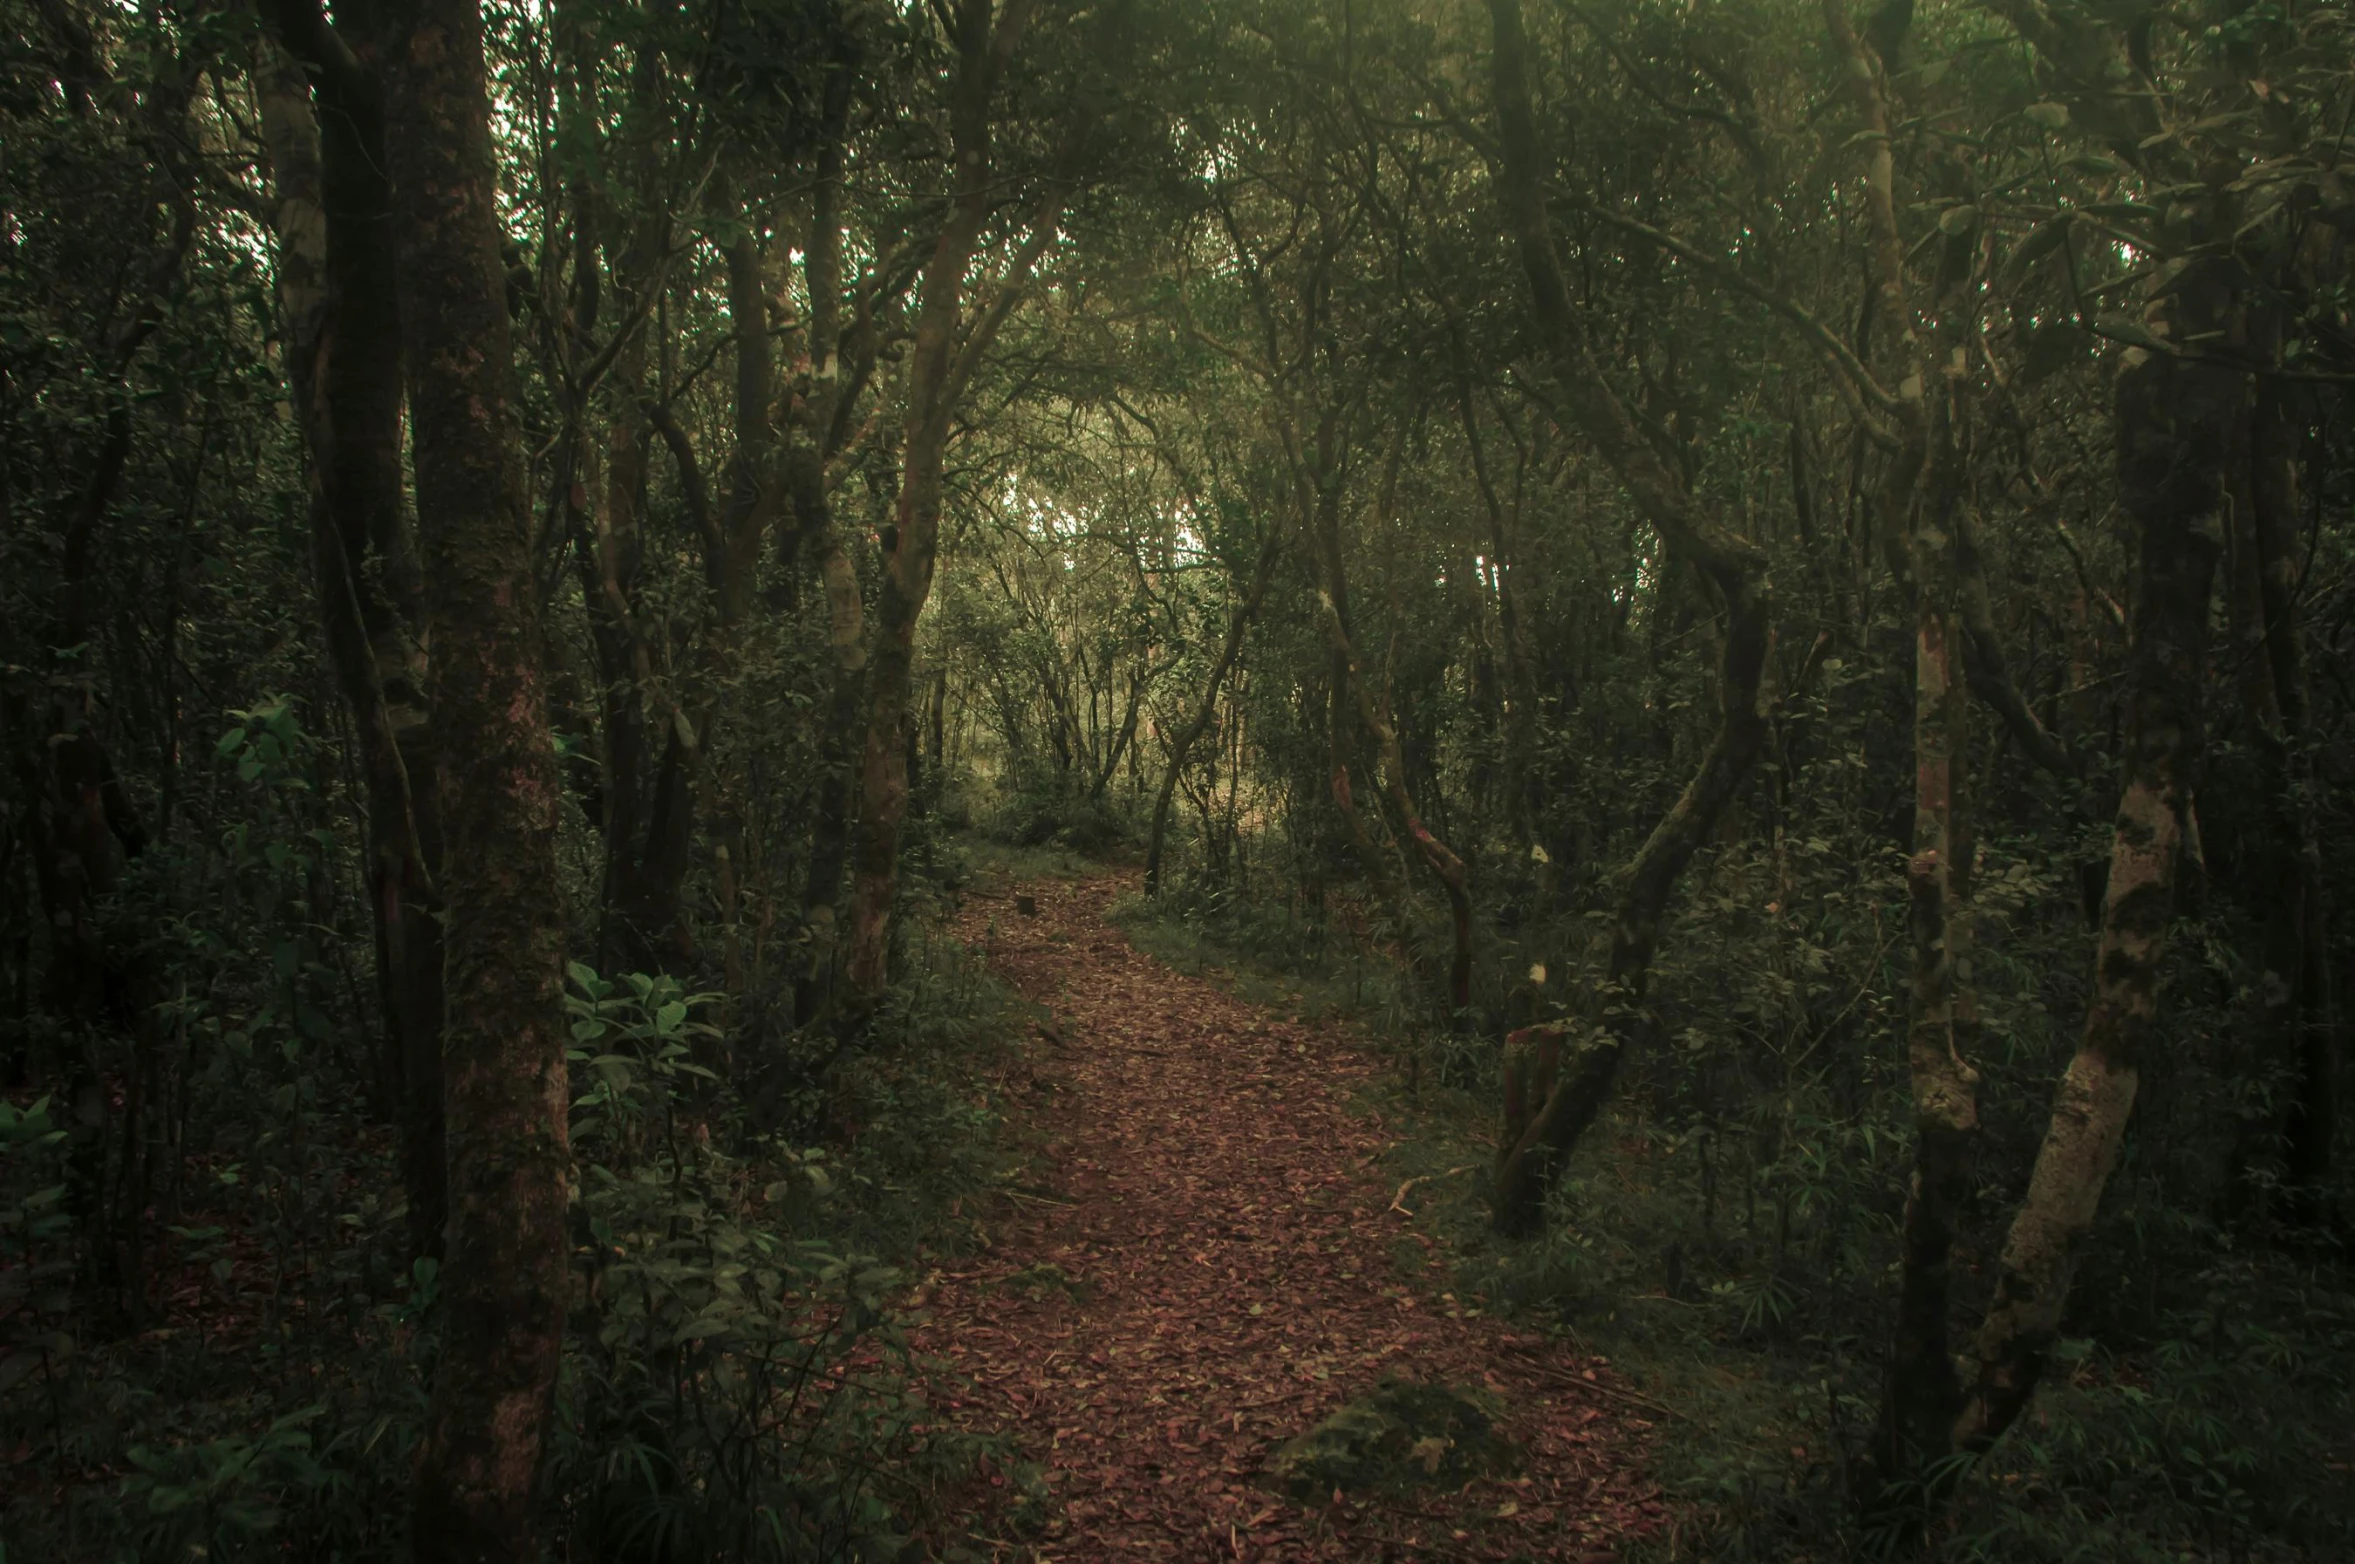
x=1920 y=1387
x=1955 y=650
x=816 y=435
x=504 y=1088
x=2173 y=418
x=1379 y=726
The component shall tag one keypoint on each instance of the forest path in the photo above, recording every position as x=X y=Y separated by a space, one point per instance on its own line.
x=1205 y=1266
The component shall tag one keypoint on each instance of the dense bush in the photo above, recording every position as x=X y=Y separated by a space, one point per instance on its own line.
x=736 y=1386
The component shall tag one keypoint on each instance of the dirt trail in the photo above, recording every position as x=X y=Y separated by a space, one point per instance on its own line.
x=1207 y=1265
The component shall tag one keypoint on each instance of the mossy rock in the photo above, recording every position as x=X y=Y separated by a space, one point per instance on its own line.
x=1402 y=1435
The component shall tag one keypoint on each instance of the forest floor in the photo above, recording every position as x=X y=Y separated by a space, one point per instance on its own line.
x=1203 y=1260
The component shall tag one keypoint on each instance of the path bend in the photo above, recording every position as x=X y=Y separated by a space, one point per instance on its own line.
x=1206 y=1262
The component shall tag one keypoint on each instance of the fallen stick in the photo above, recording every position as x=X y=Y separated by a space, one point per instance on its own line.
x=1421 y=1178
x=1564 y=1376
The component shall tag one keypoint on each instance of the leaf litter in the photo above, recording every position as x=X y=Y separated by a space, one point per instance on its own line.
x=1200 y=1268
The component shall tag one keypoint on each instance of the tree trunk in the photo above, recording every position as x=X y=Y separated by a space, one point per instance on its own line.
x=1139 y=680
x=1954 y=647
x=1443 y=863
x=78 y=821
x=336 y=292
x=1559 y=1099
x=1550 y=1101
x=650 y=898
x=817 y=433
x=1518 y=732
x=2298 y=958
x=2172 y=418
x=1920 y=1389
x=1318 y=502
x=939 y=368
x=504 y=1089
x=830 y=836
x=1206 y=709
x=607 y=556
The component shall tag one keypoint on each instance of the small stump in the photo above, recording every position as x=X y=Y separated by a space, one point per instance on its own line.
x=1400 y=1436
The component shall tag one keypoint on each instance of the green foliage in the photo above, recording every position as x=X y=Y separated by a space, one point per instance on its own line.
x=1037 y=808
x=1728 y=1243
x=633 y=1045
x=2208 y=1441
x=218 y=1499
x=1278 y=306
x=1268 y=954
x=737 y=1388
x=736 y=1380
x=36 y=1231
x=737 y=1393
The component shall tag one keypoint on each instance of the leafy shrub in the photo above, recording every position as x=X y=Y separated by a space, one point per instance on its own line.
x=1041 y=808
x=736 y=1386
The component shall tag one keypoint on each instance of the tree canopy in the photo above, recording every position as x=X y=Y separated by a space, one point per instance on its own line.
x=1782 y=573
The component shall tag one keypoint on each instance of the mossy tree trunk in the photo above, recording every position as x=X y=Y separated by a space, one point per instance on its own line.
x=2173 y=420
x=1374 y=716
x=1921 y=493
x=505 y=1277
x=1559 y=1099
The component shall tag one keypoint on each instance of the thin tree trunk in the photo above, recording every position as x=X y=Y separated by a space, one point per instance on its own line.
x=596 y=364
x=1920 y=502
x=939 y=368
x=1318 y=501
x=815 y=434
x=344 y=369
x=1519 y=729
x=2172 y=418
x=830 y=835
x=651 y=899
x=505 y=1277
x=1920 y=1389
x=1139 y=681
x=607 y=555
x=79 y=823
x=1550 y=1102
x=1206 y=709
x=1442 y=861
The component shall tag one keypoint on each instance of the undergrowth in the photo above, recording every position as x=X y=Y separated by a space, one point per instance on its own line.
x=735 y=1385
x=1268 y=956
x=1737 y=1269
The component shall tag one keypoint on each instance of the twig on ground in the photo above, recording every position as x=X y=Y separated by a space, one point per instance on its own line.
x=1603 y=1386
x=1421 y=1178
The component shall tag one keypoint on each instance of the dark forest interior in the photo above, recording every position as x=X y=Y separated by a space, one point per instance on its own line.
x=871 y=780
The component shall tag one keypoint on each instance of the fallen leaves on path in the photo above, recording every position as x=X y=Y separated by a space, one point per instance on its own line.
x=1212 y=1265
